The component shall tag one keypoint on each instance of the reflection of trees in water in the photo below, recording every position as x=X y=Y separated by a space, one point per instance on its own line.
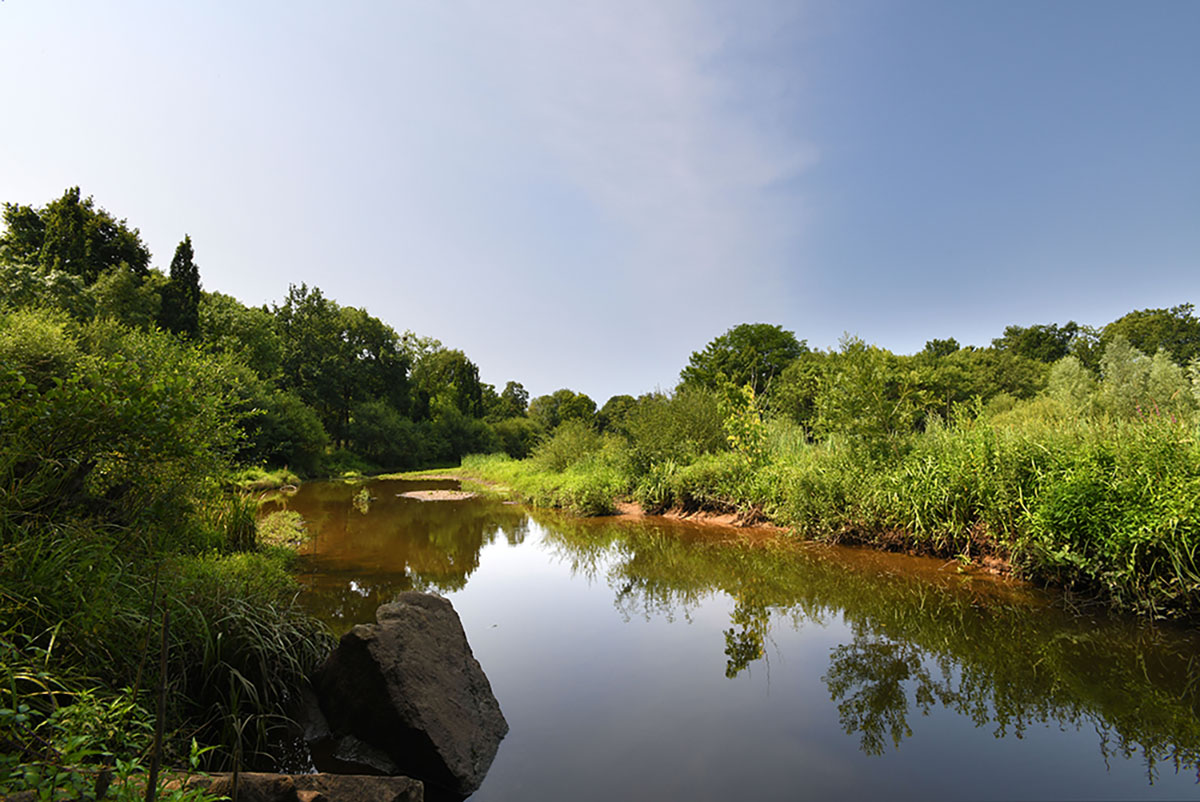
x=871 y=677
x=997 y=656
x=363 y=555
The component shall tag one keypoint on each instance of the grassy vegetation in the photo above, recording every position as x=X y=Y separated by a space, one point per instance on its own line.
x=256 y=478
x=1100 y=505
x=118 y=539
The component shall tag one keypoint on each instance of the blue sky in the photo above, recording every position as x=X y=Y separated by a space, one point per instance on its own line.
x=581 y=194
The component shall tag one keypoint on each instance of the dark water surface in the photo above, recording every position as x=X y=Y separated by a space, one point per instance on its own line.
x=652 y=660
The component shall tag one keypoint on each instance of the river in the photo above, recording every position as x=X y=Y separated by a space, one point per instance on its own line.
x=652 y=659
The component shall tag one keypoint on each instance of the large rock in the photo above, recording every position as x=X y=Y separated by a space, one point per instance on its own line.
x=410 y=687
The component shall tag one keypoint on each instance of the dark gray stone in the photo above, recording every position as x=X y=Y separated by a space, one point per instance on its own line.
x=351 y=751
x=410 y=687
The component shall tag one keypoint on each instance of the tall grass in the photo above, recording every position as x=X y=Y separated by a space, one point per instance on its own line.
x=1103 y=506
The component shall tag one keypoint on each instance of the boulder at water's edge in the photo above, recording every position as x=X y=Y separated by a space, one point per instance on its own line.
x=410 y=687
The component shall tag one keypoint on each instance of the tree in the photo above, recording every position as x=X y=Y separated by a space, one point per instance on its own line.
x=940 y=348
x=447 y=377
x=1072 y=385
x=122 y=295
x=1043 y=342
x=869 y=395
x=611 y=417
x=335 y=357
x=181 y=296
x=73 y=236
x=678 y=428
x=794 y=391
x=548 y=411
x=1176 y=330
x=515 y=399
x=751 y=353
x=226 y=325
x=26 y=285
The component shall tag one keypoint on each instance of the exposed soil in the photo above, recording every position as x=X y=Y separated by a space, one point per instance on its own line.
x=438 y=495
x=627 y=509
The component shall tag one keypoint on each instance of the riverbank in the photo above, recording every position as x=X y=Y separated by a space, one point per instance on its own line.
x=1108 y=511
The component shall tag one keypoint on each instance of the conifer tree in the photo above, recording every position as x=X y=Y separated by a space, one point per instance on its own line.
x=181 y=296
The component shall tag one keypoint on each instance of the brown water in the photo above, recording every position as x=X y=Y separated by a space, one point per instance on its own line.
x=651 y=659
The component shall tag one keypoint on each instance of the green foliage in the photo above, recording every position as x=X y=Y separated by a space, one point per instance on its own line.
x=72 y=236
x=446 y=378
x=128 y=297
x=453 y=435
x=587 y=487
x=385 y=437
x=243 y=648
x=548 y=411
x=65 y=737
x=794 y=393
x=25 y=285
x=1175 y=330
x=1044 y=343
x=511 y=403
x=571 y=442
x=612 y=416
x=517 y=436
x=181 y=296
x=744 y=427
x=751 y=353
x=228 y=326
x=287 y=432
x=1072 y=385
x=1134 y=385
x=677 y=428
x=336 y=357
x=127 y=426
x=868 y=396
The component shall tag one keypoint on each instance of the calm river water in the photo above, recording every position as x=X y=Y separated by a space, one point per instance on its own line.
x=653 y=660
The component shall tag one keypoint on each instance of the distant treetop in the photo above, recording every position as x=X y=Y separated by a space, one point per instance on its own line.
x=750 y=353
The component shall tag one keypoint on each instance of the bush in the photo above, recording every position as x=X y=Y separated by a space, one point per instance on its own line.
x=518 y=436
x=572 y=442
x=385 y=437
x=287 y=432
x=678 y=428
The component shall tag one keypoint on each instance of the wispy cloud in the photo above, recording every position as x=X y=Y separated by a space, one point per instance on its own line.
x=628 y=100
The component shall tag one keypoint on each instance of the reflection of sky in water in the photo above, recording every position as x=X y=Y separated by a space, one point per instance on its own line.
x=608 y=645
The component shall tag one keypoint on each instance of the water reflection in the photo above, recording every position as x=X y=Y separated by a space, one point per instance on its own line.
x=922 y=639
x=923 y=636
x=370 y=543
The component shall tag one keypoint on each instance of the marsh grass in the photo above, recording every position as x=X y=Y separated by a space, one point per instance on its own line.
x=1105 y=507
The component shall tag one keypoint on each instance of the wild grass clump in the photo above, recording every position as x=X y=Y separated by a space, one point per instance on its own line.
x=257 y=479
x=66 y=736
x=282 y=528
x=245 y=648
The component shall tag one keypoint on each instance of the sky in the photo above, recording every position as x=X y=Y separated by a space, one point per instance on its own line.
x=581 y=194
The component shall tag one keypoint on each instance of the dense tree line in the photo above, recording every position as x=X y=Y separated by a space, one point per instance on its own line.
x=326 y=388
x=319 y=387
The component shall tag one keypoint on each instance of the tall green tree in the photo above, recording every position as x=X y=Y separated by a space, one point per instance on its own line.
x=72 y=235
x=548 y=411
x=1043 y=342
x=181 y=297
x=1175 y=330
x=515 y=399
x=444 y=378
x=751 y=353
x=335 y=357
x=229 y=326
